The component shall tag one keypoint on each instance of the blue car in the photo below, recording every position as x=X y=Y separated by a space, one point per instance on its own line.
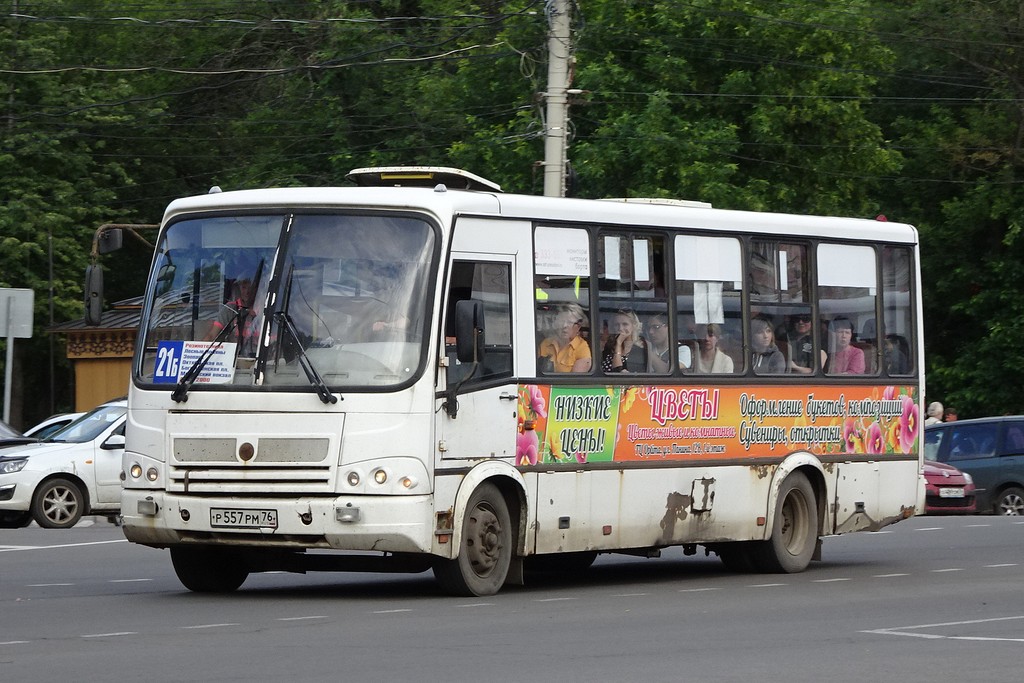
x=989 y=449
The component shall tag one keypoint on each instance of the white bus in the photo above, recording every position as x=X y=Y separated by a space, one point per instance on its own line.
x=422 y=372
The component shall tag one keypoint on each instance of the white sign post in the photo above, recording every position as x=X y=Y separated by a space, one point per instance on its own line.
x=15 y=321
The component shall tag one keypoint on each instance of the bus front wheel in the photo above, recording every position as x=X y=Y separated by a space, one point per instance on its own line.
x=208 y=570
x=795 y=531
x=486 y=549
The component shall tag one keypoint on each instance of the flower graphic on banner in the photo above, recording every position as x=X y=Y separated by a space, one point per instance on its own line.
x=527 y=447
x=874 y=442
x=532 y=406
x=909 y=423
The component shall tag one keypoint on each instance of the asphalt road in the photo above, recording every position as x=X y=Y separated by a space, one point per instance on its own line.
x=930 y=599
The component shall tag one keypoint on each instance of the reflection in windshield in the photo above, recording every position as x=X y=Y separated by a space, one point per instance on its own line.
x=353 y=286
x=89 y=426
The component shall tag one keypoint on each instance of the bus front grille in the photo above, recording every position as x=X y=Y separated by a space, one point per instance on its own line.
x=254 y=481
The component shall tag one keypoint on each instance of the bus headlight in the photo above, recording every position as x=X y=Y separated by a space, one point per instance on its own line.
x=380 y=476
x=353 y=478
x=408 y=483
x=135 y=470
x=152 y=474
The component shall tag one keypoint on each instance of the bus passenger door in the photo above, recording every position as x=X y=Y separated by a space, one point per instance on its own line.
x=478 y=401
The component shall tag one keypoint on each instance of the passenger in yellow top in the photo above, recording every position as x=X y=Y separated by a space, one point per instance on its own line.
x=566 y=350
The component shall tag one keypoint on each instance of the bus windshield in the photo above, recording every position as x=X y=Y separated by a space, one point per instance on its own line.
x=248 y=300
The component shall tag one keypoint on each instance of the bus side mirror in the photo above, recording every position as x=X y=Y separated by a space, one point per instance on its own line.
x=469 y=330
x=93 y=294
x=109 y=240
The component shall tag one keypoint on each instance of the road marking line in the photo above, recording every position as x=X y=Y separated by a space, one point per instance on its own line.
x=198 y=626
x=766 y=585
x=9 y=548
x=554 y=599
x=15 y=642
x=889 y=576
x=629 y=595
x=930 y=528
x=975 y=526
x=1007 y=564
x=391 y=611
x=477 y=604
x=127 y=580
x=111 y=635
x=951 y=569
x=697 y=590
x=48 y=585
x=831 y=580
x=905 y=630
x=301 y=618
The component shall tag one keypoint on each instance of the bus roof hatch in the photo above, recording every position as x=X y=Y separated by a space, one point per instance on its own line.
x=420 y=176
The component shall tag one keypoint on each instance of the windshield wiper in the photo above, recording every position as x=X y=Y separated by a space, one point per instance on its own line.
x=285 y=321
x=185 y=383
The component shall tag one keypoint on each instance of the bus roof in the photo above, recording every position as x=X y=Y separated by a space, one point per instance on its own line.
x=446 y=203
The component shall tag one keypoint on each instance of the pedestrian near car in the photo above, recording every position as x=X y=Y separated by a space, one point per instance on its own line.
x=934 y=413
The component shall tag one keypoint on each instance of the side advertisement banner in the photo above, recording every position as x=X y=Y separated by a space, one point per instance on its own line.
x=605 y=424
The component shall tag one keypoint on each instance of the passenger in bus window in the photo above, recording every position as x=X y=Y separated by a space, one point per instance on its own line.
x=626 y=349
x=801 y=345
x=566 y=350
x=659 y=357
x=766 y=359
x=895 y=358
x=843 y=358
x=710 y=359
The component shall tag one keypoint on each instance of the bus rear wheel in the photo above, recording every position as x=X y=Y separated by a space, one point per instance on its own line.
x=794 y=532
x=208 y=570
x=485 y=552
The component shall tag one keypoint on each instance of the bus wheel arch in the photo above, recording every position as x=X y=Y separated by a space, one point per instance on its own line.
x=487 y=537
x=794 y=528
x=811 y=468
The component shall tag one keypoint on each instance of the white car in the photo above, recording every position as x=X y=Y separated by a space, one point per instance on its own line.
x=52 y=425
x=75 y=472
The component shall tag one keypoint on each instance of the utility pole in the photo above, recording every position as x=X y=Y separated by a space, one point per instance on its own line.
x=559 y=76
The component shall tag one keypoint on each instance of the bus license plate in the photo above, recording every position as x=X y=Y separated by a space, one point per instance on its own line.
x=951 y=493
x=234 y=518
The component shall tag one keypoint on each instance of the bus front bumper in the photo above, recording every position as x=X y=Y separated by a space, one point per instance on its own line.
x=369 y=523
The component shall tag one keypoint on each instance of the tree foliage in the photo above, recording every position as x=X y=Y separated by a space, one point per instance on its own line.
x=911 y=108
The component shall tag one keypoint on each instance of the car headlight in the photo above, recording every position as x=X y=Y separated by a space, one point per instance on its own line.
x=968 y=478
x=12 y=466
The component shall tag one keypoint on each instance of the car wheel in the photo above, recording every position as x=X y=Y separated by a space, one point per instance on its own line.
x=58 y=504
x=1010 y=502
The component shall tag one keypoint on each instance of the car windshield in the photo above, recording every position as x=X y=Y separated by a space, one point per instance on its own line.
x=259 y=296
x=90 y=425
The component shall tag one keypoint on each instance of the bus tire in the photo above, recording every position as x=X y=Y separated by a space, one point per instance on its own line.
x=208 y=570
x=795 y=531
x=737 y=556
x=560 y=563
x=485 y=552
